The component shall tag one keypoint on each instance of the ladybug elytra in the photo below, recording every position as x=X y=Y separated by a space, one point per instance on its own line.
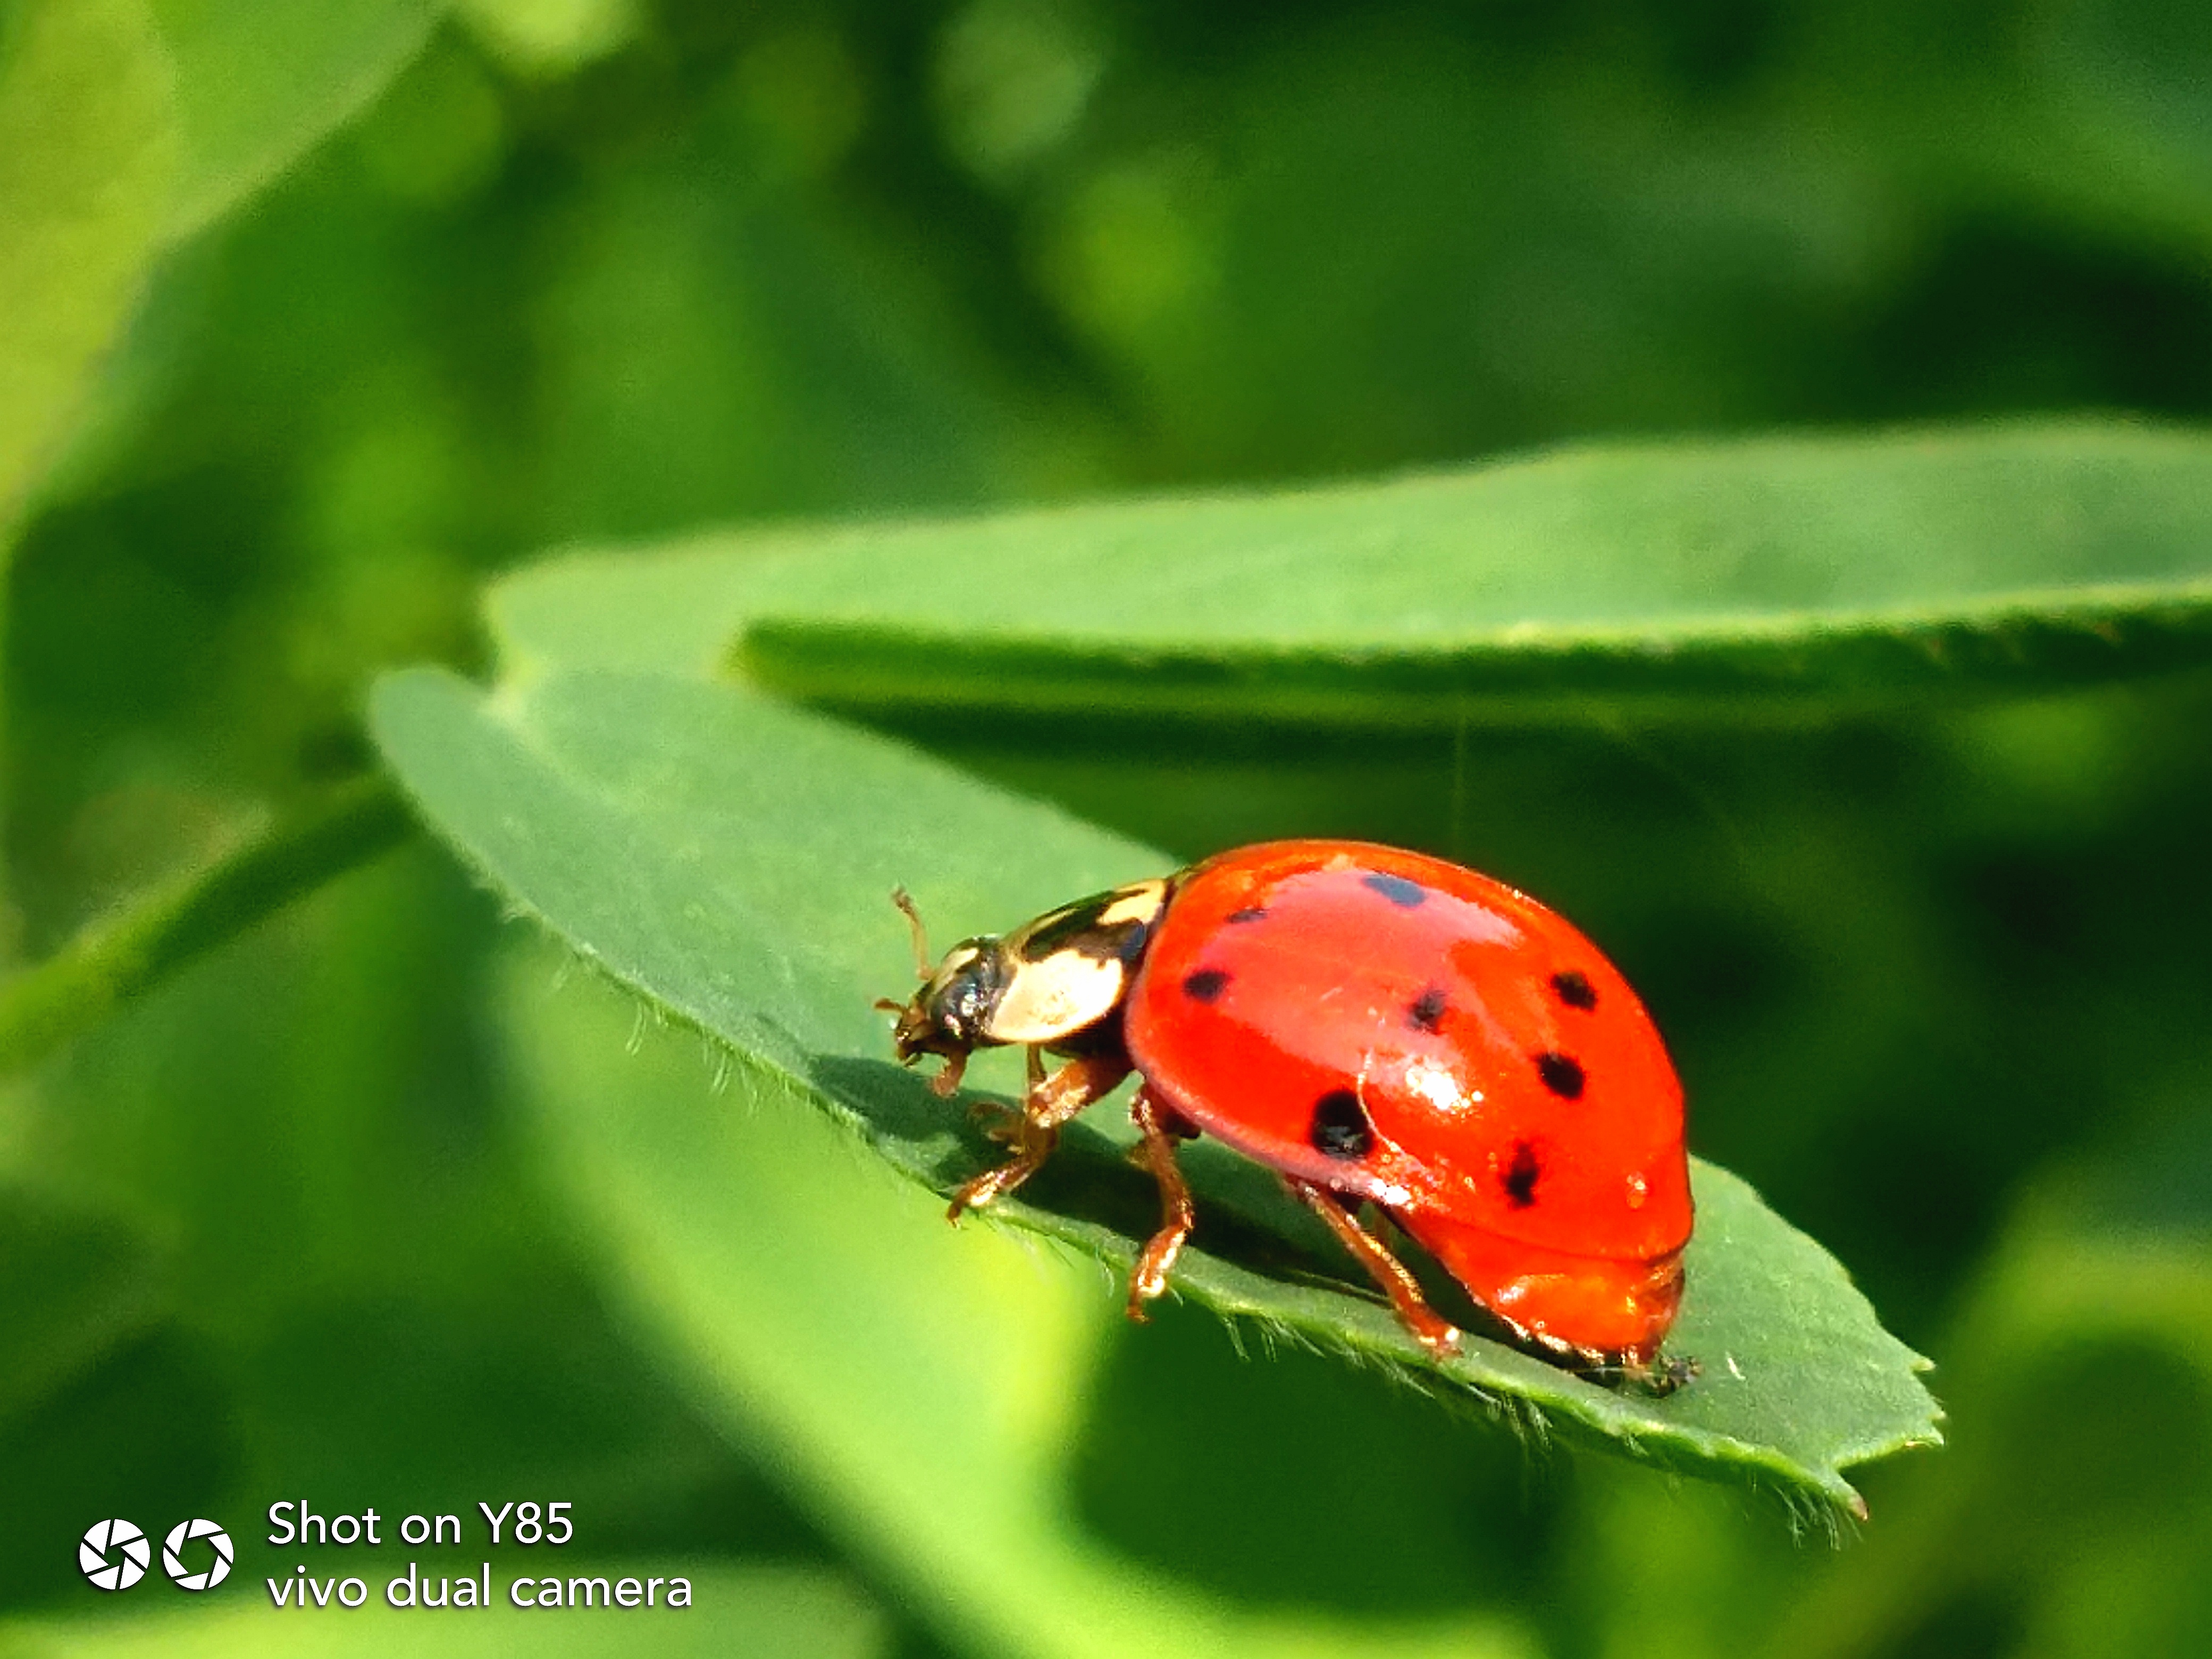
x=1377 y=1026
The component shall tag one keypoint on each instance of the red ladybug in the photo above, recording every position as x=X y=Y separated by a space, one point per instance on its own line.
x=1376 y=1025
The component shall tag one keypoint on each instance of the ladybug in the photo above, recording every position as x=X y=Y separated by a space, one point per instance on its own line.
x=1379 y=1027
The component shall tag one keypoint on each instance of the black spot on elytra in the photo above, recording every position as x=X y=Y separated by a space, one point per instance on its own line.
x=1249 y=912
x=1400 y=891
x=1341 y=1127
x=1426 y=1011
x=1575 y=989
x=1521 y=1175
x=1206 y=985
x=1562 y=1076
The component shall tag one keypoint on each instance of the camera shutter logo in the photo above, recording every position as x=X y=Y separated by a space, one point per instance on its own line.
x=184 y=1532
x=130 y=1544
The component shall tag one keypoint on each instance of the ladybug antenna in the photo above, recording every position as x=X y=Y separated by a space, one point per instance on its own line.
x=904 y=900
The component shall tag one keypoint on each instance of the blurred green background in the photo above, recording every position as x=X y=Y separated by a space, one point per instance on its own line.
x=567 y=270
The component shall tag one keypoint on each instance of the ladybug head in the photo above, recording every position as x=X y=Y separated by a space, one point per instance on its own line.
x=1056 y=982
x=950 y=1013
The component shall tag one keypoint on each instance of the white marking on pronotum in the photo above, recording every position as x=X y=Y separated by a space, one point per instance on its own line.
x=1140 y=902
x=1050 y=999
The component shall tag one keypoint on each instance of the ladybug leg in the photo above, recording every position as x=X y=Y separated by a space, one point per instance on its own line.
x=1177 y=1213
x=1655 y=1377
x=1433 y=1330
x=1050 y=1104
x=1001 y=1123
x=998 y=1121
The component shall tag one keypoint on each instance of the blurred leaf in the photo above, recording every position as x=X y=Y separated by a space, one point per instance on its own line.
x=715 y=343
x=1374 y=236
x=363 y=1288
x=1204 y=1492
x=71 y=1289
x=2082 y=1481
x=258 y=86
x=805 y=1613
x=88 y=148
x=301 y=1118
x=920 y=1387
x=1810 y=572
x=551 y=38
x=727 y=857
x=125 y=125
x=121 y=954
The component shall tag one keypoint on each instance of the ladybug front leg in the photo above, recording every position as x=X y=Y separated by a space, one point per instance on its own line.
x=1432 y=1328
x=1048 y=1105
x=1161 y=1129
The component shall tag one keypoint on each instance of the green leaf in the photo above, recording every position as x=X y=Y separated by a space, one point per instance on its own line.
x=125 y=125
x=2083 y=1356
x=728 y=858
x=922 y=1388
x=259 y=85
x=778 y=1610
x=327 y=1268
x=87 y=151
x=1800 y=571
x=72 y=1288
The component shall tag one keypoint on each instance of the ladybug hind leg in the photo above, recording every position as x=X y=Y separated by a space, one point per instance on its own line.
x=1431 y=1328
x=1161 y=1129
x=1049 y=1105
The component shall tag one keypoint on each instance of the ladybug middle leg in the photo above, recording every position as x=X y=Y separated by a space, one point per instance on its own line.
x=1429 y=1326
x=1049 y=1105
x=1001 y=1122
x=1161 y=1129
